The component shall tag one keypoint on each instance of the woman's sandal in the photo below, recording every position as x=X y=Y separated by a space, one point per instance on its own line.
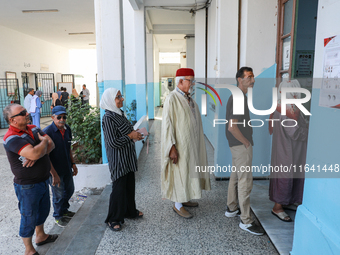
x=282 y=216
x=112 y=226
x=139 y=214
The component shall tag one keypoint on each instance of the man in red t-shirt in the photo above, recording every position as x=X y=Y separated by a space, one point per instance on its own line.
x=28 y=147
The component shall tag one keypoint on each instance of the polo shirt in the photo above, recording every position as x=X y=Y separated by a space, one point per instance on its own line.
x=60 y=156
x=246 y=130
x=14 y=141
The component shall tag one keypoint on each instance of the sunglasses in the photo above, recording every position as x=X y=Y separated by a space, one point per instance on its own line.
x=191 y=81
x=59 y=117
x=120 y=96
x=22 y=113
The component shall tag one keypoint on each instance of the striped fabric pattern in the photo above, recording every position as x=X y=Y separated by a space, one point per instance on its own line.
x=120 y=149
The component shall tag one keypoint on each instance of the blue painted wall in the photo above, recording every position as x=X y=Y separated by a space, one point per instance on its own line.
x=157 y=96
x=141 y=98
x=151 y=104
x=317 y=221
x=130 y=93
x=262 y=100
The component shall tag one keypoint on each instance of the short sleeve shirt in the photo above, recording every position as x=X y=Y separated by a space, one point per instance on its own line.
x=14 y=141
x=246 y=130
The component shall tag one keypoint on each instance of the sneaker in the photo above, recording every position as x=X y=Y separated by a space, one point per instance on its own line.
x=231 y=214
x=252 y=228
x=68 y=214
x=62 y=222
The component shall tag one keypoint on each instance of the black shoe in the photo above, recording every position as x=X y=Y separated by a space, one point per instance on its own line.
x=68 y=214
x=62 y=222
x=252 y=228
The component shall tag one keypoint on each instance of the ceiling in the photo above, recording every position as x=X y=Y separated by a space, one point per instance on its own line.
x=77 y=16
x=74 y=16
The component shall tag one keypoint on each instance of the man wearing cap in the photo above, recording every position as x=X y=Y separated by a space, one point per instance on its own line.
x=27 y=102
x=183 y=146
x=63 y=167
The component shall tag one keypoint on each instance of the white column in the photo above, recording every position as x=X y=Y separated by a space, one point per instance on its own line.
x=156 y=73
x=110 y=57
x=191 y=52
x=200 y=44
x=150 y=85
x=140 y=64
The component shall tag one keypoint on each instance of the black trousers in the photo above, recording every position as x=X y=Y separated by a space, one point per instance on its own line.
x=122 y=199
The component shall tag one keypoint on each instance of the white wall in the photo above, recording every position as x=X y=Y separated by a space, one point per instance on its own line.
x=258 y=34
x=23 y=53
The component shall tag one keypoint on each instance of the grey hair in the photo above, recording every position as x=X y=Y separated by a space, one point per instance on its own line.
x=7 y=112
x=178 y=78
x=38 y=93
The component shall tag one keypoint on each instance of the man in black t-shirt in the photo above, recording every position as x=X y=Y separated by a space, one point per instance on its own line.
x=240 y=139
x=27 y=149
x=64 y=97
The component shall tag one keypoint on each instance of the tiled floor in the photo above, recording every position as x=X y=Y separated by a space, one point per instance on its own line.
x=162 y=231
x=279 y=232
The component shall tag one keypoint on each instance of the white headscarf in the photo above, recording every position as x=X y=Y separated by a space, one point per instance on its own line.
x=108 y=101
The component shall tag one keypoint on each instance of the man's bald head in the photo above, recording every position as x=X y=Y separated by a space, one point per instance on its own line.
x=7 y=112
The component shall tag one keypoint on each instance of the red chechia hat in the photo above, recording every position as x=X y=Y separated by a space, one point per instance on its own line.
x=185 y=72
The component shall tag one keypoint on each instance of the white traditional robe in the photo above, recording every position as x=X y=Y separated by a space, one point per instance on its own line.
x=181 y=182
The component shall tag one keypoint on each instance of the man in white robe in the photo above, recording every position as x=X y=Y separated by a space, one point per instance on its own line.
x=183 y=147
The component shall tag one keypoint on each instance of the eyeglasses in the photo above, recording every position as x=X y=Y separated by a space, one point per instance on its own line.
x=22 y=113
x=120 y=96
x=191 y=81
x=59 y=117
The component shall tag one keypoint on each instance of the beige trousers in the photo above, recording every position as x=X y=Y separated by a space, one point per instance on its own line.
x=241 y=181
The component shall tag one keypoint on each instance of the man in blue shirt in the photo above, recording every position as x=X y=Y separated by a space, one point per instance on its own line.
x=63 y=167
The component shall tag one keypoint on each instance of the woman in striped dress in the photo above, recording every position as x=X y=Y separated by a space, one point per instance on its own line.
x=121 y=154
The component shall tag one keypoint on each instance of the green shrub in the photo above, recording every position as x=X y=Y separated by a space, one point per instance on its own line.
x=131 y=112
x=84 y=121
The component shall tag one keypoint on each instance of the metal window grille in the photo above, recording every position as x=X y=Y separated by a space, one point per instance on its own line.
x=67 y=78
x=45 y=83
x=9 y=93
x=25 y=83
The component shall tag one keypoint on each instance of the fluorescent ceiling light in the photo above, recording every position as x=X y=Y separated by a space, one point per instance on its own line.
x=81 y=33
x=40 y=11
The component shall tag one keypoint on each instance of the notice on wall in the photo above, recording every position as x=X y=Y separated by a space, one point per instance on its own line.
x=304 y=63
x=330 y=88
x=286 y=56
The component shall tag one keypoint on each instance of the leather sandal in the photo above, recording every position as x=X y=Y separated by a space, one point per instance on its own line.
x=112 y=226
x=282 y=216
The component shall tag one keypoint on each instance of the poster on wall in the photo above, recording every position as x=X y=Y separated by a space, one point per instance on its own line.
x=304 y=63
x=286 y=56
x=330 y=88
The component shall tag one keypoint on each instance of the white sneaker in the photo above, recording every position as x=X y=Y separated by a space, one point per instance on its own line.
x=252 y=228
x=231 y=214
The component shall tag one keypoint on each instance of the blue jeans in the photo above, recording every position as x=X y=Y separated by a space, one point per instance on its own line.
x=62 y=194
x=34 y=205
